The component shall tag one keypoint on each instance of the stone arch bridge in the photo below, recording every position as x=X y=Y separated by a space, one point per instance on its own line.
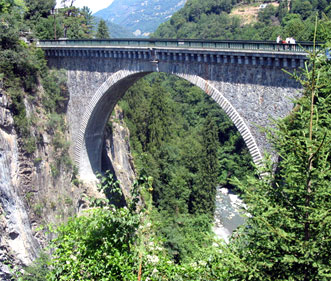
x=245 y=78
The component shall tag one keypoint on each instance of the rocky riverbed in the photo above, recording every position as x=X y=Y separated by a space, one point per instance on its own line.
x=227 y=213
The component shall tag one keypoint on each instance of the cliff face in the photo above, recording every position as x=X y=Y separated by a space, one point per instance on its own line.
x=37 y=189
x=116 y=155
x=17 y=242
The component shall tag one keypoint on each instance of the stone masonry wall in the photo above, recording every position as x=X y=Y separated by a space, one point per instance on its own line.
x=251 y=94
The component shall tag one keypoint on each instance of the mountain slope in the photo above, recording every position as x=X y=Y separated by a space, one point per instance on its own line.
x=224 y=19
x=115 y=30
x=140 y=16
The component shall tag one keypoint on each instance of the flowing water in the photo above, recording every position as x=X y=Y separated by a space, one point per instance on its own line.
x=227 y=215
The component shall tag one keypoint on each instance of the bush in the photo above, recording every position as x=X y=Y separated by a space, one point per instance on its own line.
x=56 y=93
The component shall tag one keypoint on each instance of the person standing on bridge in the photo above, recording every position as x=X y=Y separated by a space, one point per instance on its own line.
x=279 y=39
x=291 y=41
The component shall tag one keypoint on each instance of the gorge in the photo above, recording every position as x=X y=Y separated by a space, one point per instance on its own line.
x=59 y=128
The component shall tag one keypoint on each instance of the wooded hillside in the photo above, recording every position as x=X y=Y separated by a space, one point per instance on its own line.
x=211 y=19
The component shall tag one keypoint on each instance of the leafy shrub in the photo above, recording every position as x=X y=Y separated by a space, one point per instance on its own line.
x=116 y=243
x=56 y=93
x=97 y=245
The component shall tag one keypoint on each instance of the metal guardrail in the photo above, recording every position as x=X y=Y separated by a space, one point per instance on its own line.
x=299 y=47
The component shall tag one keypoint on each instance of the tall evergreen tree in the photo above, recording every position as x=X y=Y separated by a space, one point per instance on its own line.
x=88 y=21
x=204 y=191
x=159 y=124
x=282 y=10
x=102 y=32
x=38 y=8
x=288 y=232
x=159 y=119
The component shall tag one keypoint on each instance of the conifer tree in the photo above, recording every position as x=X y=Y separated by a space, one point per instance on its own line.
x=204 y=191
x=287 y=236
x=159 y=124
x=38 y=8
x=102 y=32
x=159 y=119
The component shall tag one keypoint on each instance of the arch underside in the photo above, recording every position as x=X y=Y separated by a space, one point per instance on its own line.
x=89 y=141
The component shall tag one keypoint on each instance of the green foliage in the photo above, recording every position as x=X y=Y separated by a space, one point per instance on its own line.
x=99 y=244
x=185 y=236
x=111 y=189
x=287 y=236
x=302 y=8
x=48 y=28
x=210 y=19
x=18 y=59
x=46 y=22
x=323 y=30
x=73 y=23
x=120 y=243
x=204 y=191
x=96 y=245
x=4 y=6
x=293 y=25
x=88 y=20
x=102 y=31
x=183 y=156
x=38 y=209
x=37 y=9
x=37 y=271
x=54 y=171
x=159 y=119
x=56 y=93
x=55 y=99
x=21 y=66
x=69 y=22
x=266 y=14
x=207 y=19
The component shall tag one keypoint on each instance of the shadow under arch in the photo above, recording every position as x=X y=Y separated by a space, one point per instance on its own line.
x=89 y=142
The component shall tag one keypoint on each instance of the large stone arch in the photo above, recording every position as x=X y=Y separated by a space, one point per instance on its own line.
x=89 y=141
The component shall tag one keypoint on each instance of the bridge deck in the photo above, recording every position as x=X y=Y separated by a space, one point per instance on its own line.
x=253 y=46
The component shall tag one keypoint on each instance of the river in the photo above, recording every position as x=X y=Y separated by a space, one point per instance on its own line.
x=227 y=215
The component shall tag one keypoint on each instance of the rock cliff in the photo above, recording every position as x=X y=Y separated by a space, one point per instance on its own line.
x=17 y=243
x=116 y=155
x=35 y=188
x=40 y=188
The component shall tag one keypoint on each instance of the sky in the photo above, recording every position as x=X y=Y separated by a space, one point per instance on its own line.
x=94 y=5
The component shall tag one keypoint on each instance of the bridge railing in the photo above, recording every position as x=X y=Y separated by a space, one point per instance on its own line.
x=300 y=47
